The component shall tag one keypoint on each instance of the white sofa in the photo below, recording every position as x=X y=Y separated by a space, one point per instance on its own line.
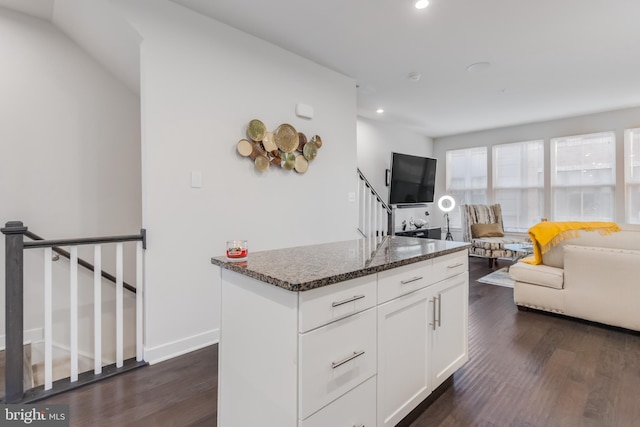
x=592 y=277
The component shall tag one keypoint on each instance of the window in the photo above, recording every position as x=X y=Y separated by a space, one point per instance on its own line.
x=632 y=175
x=466 y=179
x=518 y=183
x=583 y=177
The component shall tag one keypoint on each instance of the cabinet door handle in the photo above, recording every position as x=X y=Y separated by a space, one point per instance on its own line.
x=347 y=301
x=439 y=309
x=404 y=282
x=355 y=354
x=433 y=324
x=456 y=265
x=361 y=425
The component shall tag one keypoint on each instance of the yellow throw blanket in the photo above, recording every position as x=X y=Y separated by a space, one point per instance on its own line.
x=546 y=235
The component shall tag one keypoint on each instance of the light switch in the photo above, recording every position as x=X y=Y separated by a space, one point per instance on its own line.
x=196 y=179
x=351 y=196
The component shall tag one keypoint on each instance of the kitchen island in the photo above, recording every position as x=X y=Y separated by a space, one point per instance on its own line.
x=354 y=333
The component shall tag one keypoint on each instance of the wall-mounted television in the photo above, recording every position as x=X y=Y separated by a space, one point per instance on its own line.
x=412 y=179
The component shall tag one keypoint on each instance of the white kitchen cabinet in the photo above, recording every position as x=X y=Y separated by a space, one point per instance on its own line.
x=449 y=336
x=422 y=336
x=403 y=356
x=360 y=350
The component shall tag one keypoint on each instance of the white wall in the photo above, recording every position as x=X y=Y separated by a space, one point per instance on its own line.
x=376 y=141
x=617 y=121
x=201 y=83
x=70 y=163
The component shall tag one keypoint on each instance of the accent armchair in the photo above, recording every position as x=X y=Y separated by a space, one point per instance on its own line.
x=482 y=227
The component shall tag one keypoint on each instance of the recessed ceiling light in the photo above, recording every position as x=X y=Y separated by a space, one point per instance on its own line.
x=478 y=66
x=379 y=111
x=421 y=4
x=414 y=76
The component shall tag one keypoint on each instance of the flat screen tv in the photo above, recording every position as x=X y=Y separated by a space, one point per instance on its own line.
x=412 y=179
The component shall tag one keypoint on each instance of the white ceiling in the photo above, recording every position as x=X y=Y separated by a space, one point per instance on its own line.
x=549 y=58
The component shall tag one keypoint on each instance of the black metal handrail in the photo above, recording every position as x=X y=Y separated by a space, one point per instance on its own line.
x=40 y=242
x=15 y=232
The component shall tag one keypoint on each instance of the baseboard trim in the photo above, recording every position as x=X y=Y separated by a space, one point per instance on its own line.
x=30 y=335
x=177 y=348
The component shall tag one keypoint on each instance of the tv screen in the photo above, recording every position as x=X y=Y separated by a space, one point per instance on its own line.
x=412 y=179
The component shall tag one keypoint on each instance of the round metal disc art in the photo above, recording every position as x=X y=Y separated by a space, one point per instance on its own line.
x=256 y=130
x=284 y=148
x=286 y=138
x=310 y=150
x=269 y=141
x=262 y=163
x=301 y=164
x=288 y=161
x=317 y=140
x=302 y=139
x=244 y=148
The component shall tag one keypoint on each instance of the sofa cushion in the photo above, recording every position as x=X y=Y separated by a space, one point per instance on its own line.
x=541 y=275
x=486 y=230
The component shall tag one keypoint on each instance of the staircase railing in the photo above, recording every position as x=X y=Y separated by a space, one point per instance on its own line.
x=374 y=216
x=15 y=245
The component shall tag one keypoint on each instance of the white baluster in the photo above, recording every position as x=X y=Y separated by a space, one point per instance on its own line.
x=372 y=210
x=139 y=290
x=119 y=307
x=368 y=212
x=376 y=212
x=73 y=304
x=361 y=201
x=48 y=318
x=97 y=309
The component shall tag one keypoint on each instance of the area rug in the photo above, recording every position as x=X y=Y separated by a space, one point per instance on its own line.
x=499 y=278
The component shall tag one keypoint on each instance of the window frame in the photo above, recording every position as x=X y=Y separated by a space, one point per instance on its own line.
x=579 y=187
x=539 y=186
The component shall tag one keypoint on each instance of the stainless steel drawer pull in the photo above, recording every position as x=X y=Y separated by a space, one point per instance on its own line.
x=404 y=282
x=439 y=309
x=361 y=425
x=434 y=324
x=355 y=354
x=347 y=301
x=456 y=266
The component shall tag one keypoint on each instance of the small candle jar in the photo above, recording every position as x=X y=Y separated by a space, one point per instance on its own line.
x=237 y=250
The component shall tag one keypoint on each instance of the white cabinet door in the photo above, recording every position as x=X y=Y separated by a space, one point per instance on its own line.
x=449 y=339
x=403 y=356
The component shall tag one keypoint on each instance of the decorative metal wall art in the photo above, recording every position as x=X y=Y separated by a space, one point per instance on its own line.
x=285 y=147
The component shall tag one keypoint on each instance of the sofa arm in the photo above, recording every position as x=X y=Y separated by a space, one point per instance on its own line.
x=602 y=284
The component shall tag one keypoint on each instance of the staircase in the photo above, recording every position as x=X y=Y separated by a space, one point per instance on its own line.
x=374 y=215
x=73 y=349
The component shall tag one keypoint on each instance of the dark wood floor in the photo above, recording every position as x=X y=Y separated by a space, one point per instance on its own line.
x=525 y=369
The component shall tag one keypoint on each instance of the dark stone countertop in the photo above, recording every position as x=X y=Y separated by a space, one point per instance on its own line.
x=307 y=267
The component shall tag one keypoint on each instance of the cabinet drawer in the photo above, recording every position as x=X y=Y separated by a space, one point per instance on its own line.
x=334 y=359
x=329 y=303
x=356 y=408
x=402 y=280
x=449 y=265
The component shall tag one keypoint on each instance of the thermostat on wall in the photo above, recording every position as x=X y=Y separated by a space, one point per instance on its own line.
x=304 y=110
